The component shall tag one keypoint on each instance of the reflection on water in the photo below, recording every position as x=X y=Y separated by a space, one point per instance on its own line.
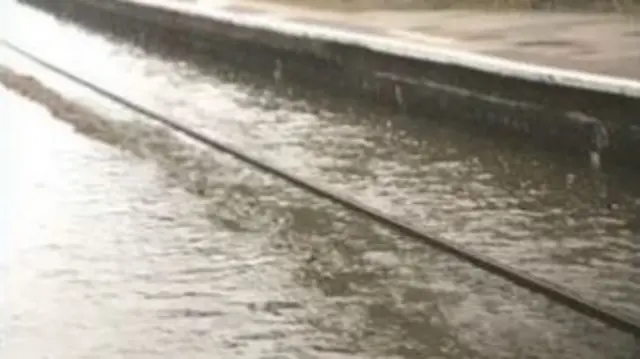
x=139 y=261
x=125 y=256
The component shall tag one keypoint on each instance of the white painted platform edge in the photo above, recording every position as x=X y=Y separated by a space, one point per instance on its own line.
x=410 y=49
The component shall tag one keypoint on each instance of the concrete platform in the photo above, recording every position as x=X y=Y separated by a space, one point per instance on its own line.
x=606 y=44
x=599 y=52
x=454 y=74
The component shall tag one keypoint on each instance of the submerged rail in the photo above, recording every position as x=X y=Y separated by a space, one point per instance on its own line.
x=550 y=290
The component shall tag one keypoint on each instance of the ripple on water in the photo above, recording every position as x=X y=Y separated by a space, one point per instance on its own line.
x=326 y=264
x=345 y=289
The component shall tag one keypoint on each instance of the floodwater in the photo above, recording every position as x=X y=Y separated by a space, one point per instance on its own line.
x=126 y=240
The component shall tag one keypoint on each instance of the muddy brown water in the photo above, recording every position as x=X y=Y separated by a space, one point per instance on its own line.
x=127 y=240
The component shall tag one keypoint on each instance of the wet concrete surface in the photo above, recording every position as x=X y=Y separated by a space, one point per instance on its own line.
x=139 y=243
x=598 y=43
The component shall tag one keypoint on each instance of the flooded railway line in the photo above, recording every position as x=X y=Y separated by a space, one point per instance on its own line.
x=331 y=148
x=552 y=291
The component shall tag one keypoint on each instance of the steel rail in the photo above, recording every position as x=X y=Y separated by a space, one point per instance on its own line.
x=550 y=290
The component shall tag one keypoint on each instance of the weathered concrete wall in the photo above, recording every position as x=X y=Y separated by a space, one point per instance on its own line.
x=567 y=116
